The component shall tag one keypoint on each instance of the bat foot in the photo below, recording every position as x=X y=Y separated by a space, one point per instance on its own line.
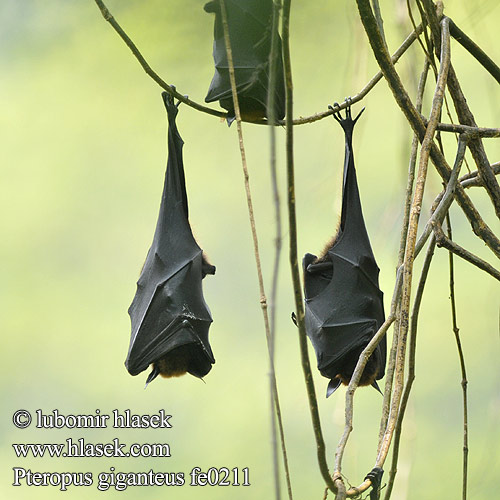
x=294 y=319
x=375 y=476
x=348 y=121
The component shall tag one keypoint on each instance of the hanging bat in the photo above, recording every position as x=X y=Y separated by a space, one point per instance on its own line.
x=343 y=303
x=250 y=27
x=170 y=319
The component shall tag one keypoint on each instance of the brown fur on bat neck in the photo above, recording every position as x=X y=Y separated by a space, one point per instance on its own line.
x=323 y=256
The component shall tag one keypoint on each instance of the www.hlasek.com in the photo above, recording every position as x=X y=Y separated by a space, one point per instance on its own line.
x=80 y=448
x=120 y=481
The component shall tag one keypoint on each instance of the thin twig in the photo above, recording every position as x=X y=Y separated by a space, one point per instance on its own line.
x=294 y=263
x=460 y=129
x=271 y=113
x=378 y=17
x=411 y=365
x=466 y=117
x=475 y=51
x=404 y=231
x=444 y=241
x=447 y=198
x=369 y=86
x=414 y=24
x=456 y=333
x=147 y=68
x=263 y=300
x=479 y=227
x=411 y=239
x=474 y=179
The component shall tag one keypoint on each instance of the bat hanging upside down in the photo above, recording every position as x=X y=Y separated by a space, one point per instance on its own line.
x=250 y=34
x=170 y=319
x=343 y=303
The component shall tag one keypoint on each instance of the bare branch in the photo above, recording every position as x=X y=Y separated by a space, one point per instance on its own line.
x=411 y=365
x=475 y=51
x=474 y=179
x=271 y=112
x=466 y=117
x=369 y=86
x=402 y=244
x=478 y=225
x=456 y=333
x=263 y=300
x=473 y=131
x=447 y=198
x=411 y=238
x=294 y=263
x=443 y=241
x=147 y=68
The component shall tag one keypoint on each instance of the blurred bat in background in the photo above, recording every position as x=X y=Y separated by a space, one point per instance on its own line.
x=170 y=319
x=250 y=28
x=343 y=303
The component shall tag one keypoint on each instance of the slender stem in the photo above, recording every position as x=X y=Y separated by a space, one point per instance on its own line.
x=444 y=241
x=474 y=131
x=378 y=17
x=271 y=114
x=411 y=365
x=263 y=300
x=447 y=198
x=474 y=179
x=479 y=227
x=147 y=68
x=466 y=117
x=475 y=51
x=411 y=238
x=402 y=246
x=277 y=214
x=294 y=264
x=456 y=333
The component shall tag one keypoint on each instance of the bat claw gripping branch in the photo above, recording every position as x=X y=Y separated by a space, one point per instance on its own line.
x=348 y=115
x=375 y=476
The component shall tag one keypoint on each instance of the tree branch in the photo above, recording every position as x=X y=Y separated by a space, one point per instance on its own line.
x=263 y=300
x=294 y=263
x=475 y=51
x=443 y=241
x=479 y=227
x=411 y=364
x=147 y=68
x=456 y=333
x=466 y=117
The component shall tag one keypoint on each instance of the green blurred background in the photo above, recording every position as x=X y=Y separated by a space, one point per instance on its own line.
x=83 y=155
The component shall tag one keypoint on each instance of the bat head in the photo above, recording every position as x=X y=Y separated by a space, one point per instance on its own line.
x=187 y=358
x=373 y=370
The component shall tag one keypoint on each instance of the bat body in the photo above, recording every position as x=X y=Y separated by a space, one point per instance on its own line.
x=343 y=303
x=169 y=316
x=250 y=25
